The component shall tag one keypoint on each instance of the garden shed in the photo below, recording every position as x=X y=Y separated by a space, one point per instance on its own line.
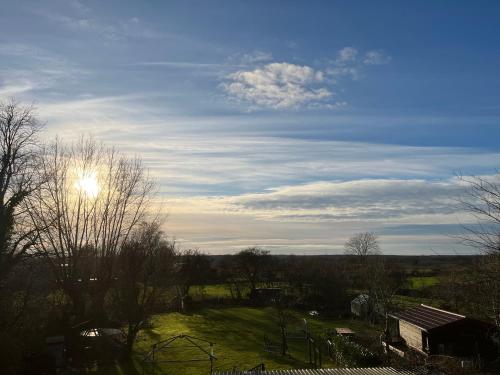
x=359 y=305
x=433 y=331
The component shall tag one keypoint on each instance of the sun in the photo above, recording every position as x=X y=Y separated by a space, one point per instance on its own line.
x=87 y=184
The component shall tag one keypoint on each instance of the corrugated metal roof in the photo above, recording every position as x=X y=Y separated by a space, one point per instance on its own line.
x=324 y=371
x=427 y=317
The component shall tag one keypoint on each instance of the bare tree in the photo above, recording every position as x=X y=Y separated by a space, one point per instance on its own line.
x=144 y=268
x=18 y=156
x=482 y=201
x=362 y=245
x=90 y=200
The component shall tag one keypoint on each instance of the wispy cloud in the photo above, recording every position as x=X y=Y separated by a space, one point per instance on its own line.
x=366 y=199
x=317 y=217
x=76 y=16
x=251 y=58
x=349 y=63
x=32 y=68
x=376 y=58
x=347 y=54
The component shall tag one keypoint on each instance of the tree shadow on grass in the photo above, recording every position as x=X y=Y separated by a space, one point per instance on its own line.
x=128 y=367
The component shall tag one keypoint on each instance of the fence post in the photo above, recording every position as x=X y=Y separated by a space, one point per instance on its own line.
x=320 y=359
x=310 y=348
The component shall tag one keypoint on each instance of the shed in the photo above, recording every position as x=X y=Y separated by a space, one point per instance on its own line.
x=359 y=305
x=346 y=332
x=433 y=331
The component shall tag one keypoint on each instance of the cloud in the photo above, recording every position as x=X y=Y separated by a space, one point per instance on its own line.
x=347 y=54
x=31 y=68
x=227 y=190
x=285 y=85
x=348 y=62
x=76 y=16
x=279 y=86
x=255 y=57
x=366 y=199
x=376 y=58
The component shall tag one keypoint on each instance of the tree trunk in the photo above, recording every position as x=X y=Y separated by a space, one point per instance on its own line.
x=284 y=343
x=129 y=344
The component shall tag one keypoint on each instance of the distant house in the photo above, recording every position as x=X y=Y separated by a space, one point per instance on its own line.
x=363 y=307
x=432 y=331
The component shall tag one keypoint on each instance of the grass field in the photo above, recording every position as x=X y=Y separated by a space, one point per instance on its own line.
x=200 y=292
x=421 y=282
x=238 y=334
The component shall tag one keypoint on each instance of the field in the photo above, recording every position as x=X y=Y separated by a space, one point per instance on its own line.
x=238 y=334
x=420 y=282
x=200 y=292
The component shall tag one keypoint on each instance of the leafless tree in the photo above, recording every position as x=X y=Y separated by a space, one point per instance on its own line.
x=90 y=200
x=482 y=201
x=486 y=288
x=362 y=245
x=144 y=268
x=18 y=157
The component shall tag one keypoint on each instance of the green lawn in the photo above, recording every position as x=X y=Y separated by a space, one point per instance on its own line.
x=238 y=334
x=408 y=302
x=421 y=282
x=200 y=292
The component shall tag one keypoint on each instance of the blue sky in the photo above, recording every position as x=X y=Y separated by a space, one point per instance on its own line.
x=289 y=125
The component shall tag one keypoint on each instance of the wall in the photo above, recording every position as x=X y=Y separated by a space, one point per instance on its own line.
x=411 y=334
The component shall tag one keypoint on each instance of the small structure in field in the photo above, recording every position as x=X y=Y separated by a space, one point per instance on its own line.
x=100 y=344
x=180 y=349
x=432 y=331
x=359 y=305
x=345 y=332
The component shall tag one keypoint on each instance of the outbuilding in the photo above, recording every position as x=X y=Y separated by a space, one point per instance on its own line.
x=432 y=331
x=359 y=305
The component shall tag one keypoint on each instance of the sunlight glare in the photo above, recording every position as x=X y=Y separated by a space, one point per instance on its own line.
x=87 y=184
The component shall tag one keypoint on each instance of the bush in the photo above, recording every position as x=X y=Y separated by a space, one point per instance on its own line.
x=348 y=353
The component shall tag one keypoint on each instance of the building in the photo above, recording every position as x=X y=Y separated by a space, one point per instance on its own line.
x=359 y=306
x=364 y=307
x=432 y=331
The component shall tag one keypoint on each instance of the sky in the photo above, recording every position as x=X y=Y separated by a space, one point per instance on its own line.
x=289 y=125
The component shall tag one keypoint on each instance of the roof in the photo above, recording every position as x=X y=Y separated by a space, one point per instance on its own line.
x=362 y=298
x=344 y=331
x=325 y=371
x=427 y=317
